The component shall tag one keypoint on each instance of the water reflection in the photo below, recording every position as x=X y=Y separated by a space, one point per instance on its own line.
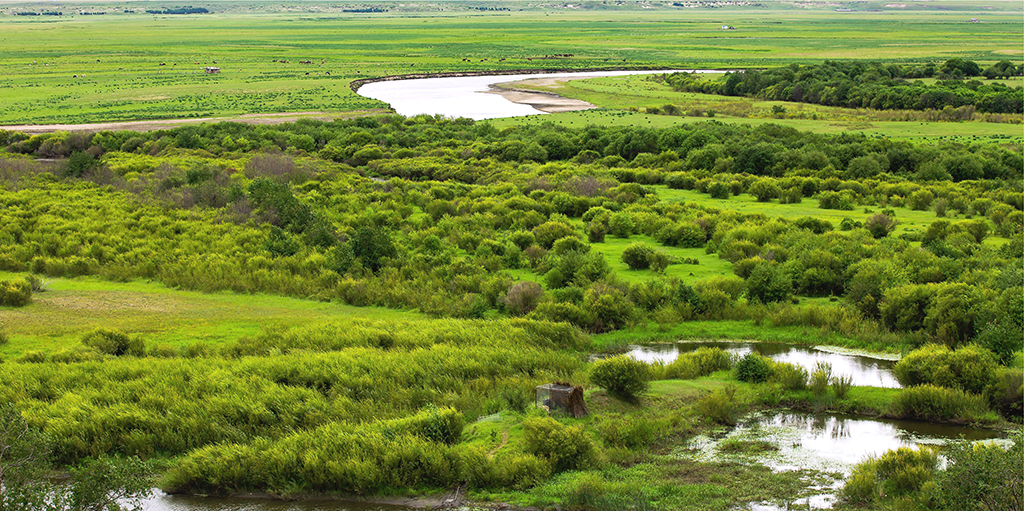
x=830 y=443
x=824 y=443
x=865 y=371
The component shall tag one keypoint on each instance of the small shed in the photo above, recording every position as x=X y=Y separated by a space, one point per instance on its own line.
x=212 y=70
x=562 y=396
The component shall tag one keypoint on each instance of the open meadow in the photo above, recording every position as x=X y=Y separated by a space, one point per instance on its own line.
x=301 y=294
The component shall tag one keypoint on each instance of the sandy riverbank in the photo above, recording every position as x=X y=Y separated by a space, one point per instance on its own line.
x=544 y=101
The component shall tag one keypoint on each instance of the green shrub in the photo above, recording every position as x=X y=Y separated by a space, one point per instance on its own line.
x=114 y=342
x=1006 y=395
x=897 y=474
x=841 y=385
x=4 y=338
x=638 y=256
x=621 y=225
x=768 y=283
x=821 y=376
x=629 y=431
x=15 y=293
x=929 y=402
x=970 y=368
x=719 y=406
x=697 y=363
x=441 y=425
x=622 y=376
x=565 y=447
x=983 y=476
x=753 y=368
x=519 y=471
x=788 y=376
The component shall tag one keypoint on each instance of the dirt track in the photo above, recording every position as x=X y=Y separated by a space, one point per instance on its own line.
x=277 y=118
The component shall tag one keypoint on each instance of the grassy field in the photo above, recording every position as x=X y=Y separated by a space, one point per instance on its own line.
x=131 y=66
x=57 y=318
x=623 y=100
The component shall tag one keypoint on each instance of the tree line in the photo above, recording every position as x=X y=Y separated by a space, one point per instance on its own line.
x=856 y=84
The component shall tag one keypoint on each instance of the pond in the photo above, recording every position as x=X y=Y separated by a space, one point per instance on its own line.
x=825 y=443
x=465 y=96
x=864 y=369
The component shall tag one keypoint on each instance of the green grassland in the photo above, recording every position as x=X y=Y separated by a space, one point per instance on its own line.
x=57 y=318
x=622 y=101
x=76 y=69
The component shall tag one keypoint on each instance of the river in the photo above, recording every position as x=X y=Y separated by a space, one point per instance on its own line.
x=466 y=96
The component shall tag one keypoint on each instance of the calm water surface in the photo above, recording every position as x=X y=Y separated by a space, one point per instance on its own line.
x=826 y=443
x=465 y=96
x=865 y=370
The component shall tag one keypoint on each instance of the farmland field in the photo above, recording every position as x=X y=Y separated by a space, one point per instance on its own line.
x=138 y=66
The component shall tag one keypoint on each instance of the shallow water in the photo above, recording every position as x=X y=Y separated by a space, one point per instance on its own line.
x=825 y=443
x=865 y=371
x=464 y=96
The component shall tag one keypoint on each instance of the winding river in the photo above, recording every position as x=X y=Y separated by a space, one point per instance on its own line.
x=467 y=96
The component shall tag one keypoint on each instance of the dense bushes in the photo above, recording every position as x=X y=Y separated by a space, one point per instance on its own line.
x=753 y=368
x=976 y=476
x=929 y=402
x=970 y=368
x=565 y=447
x=331 y=458
x=623 y=376
x=114 y=342
x=15 y=293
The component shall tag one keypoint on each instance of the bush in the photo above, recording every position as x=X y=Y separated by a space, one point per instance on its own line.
x=621 y=225
x=523 y=298
x=880 y=225
x=899 y=473
x=753 y=368
x=929 y=402
x=788 y=376
x=697 y=363
x=970 y=368
x=15 y=293
x=983 y=476
x=114 y=342
x=565 y=447
x=621 y=375
x=768 y=283
x=841 y=385
x=629 y=431
x=720 y=406
x=638 y=256
x=821 y=376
